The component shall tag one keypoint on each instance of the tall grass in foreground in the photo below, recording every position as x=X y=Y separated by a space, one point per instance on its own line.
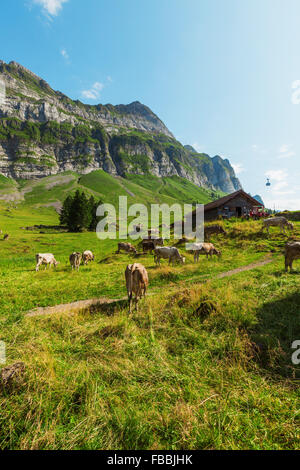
x=205 y=364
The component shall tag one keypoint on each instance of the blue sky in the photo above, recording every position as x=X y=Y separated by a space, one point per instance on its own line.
x=224 y=75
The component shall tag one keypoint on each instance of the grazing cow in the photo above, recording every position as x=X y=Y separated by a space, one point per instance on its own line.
x=87 y=256
x=75 y=260
x=6 y=236
x=126 y=247
x=281 y=222
x=150 y=245
x=158 y=241
x=167 y=252
x=45 y=258
x=207 y=249
x=292 y=252
x=136 y=277
x=213 y=229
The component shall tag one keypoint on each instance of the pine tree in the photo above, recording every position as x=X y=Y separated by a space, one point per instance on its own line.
x=93 y=210
x=64 y=215
x=76 y=213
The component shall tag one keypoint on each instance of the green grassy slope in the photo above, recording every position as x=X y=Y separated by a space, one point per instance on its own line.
x=146 y=189
x=202 y=365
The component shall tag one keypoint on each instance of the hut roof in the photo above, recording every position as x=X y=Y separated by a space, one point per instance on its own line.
x=229 y=197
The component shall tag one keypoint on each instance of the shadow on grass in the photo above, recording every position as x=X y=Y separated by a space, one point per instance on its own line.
x=278 y=327
x=109 y=308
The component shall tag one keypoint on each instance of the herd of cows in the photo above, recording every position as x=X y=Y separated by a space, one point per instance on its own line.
x=136 y=274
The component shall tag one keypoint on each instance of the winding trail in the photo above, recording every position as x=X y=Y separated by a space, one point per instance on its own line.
x=93 y=304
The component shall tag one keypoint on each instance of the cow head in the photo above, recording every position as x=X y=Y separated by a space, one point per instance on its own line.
x=290 y=225
x=182 y=259
x=217 y=252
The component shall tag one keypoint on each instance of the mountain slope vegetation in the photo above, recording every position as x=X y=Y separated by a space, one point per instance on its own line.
x=43 y=132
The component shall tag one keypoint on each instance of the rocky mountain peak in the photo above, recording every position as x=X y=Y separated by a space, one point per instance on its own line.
x=43 y=132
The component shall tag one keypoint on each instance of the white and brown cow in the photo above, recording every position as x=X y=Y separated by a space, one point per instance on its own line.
x=75 y=260
x=87 y=256
x=207 y=249
x=45 y=259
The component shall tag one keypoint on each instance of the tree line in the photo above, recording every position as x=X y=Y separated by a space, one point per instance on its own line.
x=79 y=212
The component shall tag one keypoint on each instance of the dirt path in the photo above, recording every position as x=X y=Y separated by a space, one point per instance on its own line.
x=93 y=304
x=244 y=268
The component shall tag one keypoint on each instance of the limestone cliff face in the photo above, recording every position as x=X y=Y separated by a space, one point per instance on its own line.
x=43 y=132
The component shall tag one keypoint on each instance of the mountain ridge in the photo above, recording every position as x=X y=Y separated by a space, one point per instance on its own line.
x=44 y=132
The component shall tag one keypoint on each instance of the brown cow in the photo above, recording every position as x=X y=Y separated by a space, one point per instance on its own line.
x=281 y=222
x=148 y=245
x=292 y=252
x=136 y=277
x=126 y=247
x=151 y=244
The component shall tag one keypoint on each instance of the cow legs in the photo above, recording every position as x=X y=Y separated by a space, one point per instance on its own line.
x=129 y=301
x=287 y=264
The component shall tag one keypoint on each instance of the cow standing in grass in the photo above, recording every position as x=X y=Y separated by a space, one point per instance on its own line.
x=207 y=249
x=150 y=245
x=75 y=260
x=292 y=252
x=170 y=253
x=45 y=259
x=137 y=281
x=126 y=247
x=281 y=222
x=87 y=256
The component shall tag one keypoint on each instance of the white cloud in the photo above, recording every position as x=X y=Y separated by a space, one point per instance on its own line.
x=94 y=92
x=199 y=148
x=277 y=175
x=51 y=7
x=285 y=151
x=281 y=204
x=281 y=180
x=295 y=98
x=238 y=168
x=65 y=55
